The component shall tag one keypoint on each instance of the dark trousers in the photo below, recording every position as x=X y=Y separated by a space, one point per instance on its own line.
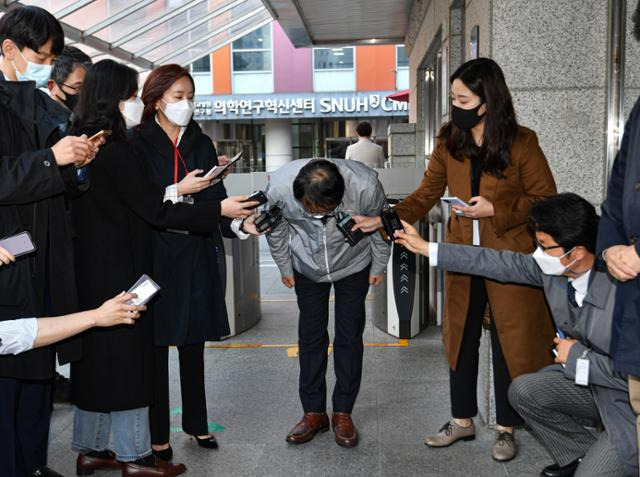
x=25 y=412
x=194 y=403
x=313 y=340
x=463 y=381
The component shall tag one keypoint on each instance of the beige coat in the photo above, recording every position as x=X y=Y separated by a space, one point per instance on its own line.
x=521 y=316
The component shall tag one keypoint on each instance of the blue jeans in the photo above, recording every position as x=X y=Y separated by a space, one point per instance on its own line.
x=131 y=437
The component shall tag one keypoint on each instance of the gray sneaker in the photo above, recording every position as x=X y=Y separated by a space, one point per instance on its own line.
x=450 y=433
x=505 y=447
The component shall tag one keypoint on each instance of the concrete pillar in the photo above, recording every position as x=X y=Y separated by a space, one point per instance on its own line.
x=278 y=138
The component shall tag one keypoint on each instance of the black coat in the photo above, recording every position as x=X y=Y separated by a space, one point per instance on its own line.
x=32 y=198
x=620 y=225
x=189 y=268
x=113 y=222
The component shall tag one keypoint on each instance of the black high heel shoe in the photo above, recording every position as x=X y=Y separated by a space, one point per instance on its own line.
x=208 y=442
x=164 y=454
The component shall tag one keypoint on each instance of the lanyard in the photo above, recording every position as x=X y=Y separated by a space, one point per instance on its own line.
x=176 y=155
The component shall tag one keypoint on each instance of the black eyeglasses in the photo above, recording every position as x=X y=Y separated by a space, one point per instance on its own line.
x=76 y=89
x=550 y=247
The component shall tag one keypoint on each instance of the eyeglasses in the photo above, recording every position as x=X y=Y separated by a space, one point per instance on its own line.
x=76 y=89
x=550 y=247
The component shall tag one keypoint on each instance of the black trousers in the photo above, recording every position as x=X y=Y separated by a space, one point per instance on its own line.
x=463 y=381
x=25 y=412
x=313 y=340
x=194 y=402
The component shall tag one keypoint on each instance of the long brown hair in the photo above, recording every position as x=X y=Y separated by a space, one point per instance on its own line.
x=484 y=78
x=157 y=83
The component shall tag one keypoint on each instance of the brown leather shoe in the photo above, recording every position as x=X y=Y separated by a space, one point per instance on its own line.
x=88 y=464
x=161 y=469
x=308 y=427
x=343 y=428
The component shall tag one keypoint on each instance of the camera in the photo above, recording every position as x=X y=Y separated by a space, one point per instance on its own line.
x=259 y=197
x=345 y=223
x=390 y=222
x=269 y=219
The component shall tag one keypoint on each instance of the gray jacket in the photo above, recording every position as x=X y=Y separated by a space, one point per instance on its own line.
x=316 y=249
x=591 y=327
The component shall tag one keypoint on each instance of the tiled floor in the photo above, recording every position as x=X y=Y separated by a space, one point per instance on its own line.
x=252 y=393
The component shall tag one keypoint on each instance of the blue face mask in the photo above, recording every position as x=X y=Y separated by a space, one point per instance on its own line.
x=34 y=72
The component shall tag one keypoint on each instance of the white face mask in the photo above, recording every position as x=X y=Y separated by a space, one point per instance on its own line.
x=180 y=112
x=132 y=110
x=34 y=72
x=550 y=265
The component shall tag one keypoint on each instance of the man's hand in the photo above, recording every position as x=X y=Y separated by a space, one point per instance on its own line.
x=375 y=280
x=116 y=312
x=236 y=207
x=249 y=226
x=366 y=224
x=288 y=282
x=411 y=239
x=6 y=257
x=481 y=208
x=563 y=346
x=74 y=150
x=623 y=262
x=192 y=183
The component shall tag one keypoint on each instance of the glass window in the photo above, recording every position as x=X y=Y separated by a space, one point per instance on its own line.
x=259 y=39
x=252 y=52
x=203 y=65
x=333 y=58
x=401 y=59
x=251 y=61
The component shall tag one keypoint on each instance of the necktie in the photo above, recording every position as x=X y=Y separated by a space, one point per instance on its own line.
x=571 y=295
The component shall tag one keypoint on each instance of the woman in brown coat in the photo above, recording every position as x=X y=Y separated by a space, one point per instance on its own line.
x=486 y=159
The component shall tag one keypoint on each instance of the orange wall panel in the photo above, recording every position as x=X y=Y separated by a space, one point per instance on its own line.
x=222 y=70
x=375 y=68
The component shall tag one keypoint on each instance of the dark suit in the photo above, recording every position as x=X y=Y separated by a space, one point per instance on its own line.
x=607 y=394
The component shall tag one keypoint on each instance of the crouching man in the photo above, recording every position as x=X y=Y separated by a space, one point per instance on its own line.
x=311 y=250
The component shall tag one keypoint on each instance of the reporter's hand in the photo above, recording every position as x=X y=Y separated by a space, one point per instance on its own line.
x=480 y=209
x=411 y=239
x=116 y=312
x=192 y=183
x=223 y=159
x=563 y=346
x=288 y=282
x=6 y=257
x=375 y=280
x=623 y=262
x=249 y=225
x=236 y=208
x=366 y=224
x=74 y=150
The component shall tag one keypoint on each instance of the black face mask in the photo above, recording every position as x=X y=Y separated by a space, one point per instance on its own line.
x=465 y=118
x=70 y=100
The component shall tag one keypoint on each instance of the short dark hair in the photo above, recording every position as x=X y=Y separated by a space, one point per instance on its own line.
x=364 y=129
x=106 y=84
x=568 y=218
x=32 y=27
x=319 y=186
x=67 y=61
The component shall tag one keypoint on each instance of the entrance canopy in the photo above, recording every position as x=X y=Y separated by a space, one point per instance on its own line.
x=150 y=33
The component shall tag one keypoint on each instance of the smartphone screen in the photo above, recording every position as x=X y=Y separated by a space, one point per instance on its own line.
x=217 y=170
x=19 y=244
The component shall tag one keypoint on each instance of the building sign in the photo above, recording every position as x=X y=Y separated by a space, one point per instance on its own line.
x=303 y=105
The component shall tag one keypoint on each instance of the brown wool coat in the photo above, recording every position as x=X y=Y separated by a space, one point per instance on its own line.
x=521 y=316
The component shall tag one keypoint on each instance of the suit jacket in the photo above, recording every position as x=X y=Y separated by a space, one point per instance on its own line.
x=526 y=180
x=367 y=152
x=591 y=327
x=620 y=225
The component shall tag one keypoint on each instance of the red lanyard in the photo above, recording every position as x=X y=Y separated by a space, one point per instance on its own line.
x=176 y=155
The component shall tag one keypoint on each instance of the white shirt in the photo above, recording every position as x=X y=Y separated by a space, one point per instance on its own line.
x=580 y=285
x=367 y=152
x=17 y=336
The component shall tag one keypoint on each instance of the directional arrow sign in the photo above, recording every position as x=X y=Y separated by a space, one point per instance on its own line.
x=404 y=290
x=404 y=255
x=404 y=278
x=404 y=266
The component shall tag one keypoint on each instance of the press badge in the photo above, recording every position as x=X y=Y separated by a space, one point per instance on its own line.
x=582 y=369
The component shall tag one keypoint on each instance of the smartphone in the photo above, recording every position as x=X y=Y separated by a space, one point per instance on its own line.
x=20 y=244
x=145 y=288
x=105 y=133
x=217 y=170
x=259 y=197
x=455 y=201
